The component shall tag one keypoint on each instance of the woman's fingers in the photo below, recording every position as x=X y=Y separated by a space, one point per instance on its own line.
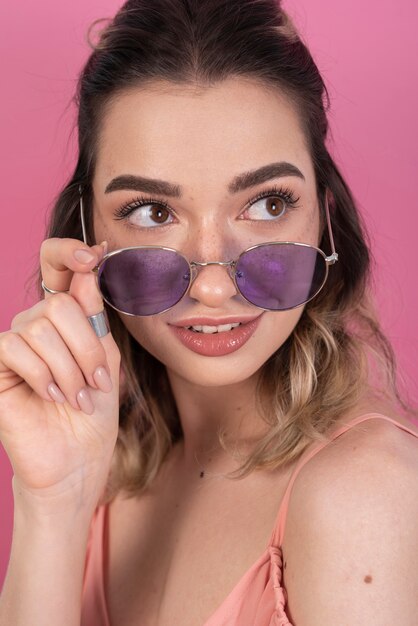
x=58 y=260
x=62 y=271
x=84 y=289
x=17 y=357
x=58 y=331
x=58 y=266
x=79 y=358
x=63 y=370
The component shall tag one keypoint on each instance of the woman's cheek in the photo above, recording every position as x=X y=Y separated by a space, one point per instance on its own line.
x=149 y=332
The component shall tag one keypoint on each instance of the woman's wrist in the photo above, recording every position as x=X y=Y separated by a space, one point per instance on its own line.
x=44 y=579
x=65 y=509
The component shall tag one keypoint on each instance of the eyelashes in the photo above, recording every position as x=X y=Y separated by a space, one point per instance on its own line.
x=286 y=194
x=129 y=207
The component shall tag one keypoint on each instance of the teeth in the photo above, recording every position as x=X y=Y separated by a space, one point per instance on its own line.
x=214 y=329
x=223 y=327
x=207 y=329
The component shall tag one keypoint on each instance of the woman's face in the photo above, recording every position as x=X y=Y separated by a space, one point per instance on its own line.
x=199 y=141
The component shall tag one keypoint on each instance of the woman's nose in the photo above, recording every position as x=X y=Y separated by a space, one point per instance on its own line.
x=213 y=285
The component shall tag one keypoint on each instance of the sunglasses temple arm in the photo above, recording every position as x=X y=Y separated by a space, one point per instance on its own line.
x=83 y=225
x=334 y=256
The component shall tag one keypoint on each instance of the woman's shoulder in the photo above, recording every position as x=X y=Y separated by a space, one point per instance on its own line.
x=352 y=520
x=365 y=456
x=373 y=430
x=372 y=440
x=378 y=434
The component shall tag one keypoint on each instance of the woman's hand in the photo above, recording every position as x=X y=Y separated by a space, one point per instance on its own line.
x=60 y=450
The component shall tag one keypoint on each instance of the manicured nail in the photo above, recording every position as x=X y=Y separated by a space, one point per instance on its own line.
x=105 y=246
x=82 y=256
x=85 y=402
x=102 y=380
x=55 y=393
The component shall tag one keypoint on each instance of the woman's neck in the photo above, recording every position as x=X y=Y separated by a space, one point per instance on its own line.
x=204 y=412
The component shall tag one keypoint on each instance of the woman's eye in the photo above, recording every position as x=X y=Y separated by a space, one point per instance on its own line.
x=148 y=215
x=267 y=208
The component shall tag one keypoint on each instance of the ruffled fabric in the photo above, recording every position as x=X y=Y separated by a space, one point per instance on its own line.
x=279 y=618
x=258 y=598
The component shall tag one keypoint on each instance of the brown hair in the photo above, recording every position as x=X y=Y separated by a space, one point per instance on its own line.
x=322 y=369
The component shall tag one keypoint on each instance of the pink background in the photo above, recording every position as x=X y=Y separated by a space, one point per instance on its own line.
x=368 y=55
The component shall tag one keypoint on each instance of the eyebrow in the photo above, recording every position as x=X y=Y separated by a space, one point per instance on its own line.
x=239 y=183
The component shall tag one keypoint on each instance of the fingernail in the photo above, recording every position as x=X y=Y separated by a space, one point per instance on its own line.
x=55 y=393
x=84 y=401
x=104 y=246
x=82 y=256
x=102 y=380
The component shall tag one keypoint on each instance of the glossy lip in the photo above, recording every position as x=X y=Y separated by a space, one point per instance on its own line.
x=216 y=344
x=209 y=321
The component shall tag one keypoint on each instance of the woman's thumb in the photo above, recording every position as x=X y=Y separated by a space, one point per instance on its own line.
x=84 y=289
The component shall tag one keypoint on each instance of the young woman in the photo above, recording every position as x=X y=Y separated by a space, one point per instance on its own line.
x=202 y=413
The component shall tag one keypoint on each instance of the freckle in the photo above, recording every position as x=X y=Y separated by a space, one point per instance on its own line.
x=368 y=579
x=285 y=565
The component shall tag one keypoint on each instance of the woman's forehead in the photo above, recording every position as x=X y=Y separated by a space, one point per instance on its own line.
x=235 y=125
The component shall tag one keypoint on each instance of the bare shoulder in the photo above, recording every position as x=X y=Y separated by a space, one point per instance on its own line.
x=351 y=536
x=375 y=451
x=372 y=441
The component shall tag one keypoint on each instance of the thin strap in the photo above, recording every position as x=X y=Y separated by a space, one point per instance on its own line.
x=94 y=608
x=279 y=526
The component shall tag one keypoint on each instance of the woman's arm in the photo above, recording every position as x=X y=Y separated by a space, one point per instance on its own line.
x=44 y=579
x=351 y=541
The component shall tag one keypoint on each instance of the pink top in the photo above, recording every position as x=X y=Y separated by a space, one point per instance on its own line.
x=259 y=599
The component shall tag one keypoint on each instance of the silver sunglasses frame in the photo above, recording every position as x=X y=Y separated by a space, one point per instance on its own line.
x=231 y=265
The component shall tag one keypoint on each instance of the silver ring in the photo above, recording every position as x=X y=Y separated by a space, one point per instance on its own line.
x=48 y=290
x=99 y=323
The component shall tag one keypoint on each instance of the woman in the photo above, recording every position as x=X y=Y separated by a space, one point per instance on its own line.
x=226 y=445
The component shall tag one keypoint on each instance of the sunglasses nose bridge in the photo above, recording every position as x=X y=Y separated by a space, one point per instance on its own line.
x=195 y=265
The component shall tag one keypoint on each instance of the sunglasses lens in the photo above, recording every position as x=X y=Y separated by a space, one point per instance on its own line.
x=280 y=276
x=144 y=281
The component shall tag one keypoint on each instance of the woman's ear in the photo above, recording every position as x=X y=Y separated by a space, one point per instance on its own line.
x=330 y=198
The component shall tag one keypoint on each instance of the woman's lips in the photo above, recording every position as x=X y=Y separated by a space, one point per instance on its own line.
x=216 y=344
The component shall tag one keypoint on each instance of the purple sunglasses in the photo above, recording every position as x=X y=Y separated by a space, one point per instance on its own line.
x=276 y=276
